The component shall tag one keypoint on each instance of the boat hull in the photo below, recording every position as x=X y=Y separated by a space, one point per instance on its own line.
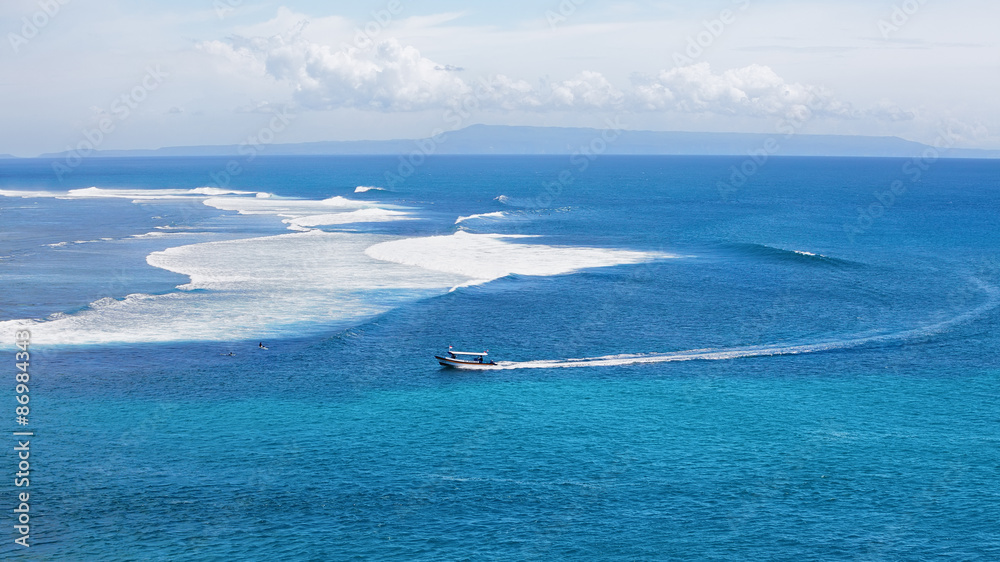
x=459 y=364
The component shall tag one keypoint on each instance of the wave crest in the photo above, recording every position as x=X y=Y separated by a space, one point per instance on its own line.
x=515 y=201
x=496 y=215
x=800 y=256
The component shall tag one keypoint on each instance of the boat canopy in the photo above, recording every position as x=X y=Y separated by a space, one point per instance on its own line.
x=483 y=353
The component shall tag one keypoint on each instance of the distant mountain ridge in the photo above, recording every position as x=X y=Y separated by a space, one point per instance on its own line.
x=497 y=139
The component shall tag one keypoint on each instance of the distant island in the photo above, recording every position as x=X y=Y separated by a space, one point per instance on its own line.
x=494 y=139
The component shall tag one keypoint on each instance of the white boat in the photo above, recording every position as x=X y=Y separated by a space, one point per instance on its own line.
x=466 y=359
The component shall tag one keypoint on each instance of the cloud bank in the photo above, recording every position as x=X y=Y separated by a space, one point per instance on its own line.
x=392 y=77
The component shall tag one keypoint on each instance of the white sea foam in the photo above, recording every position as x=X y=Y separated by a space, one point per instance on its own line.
x=364 y=188
x=361 y=215
x=153 y=194
x=303 y=214
x=161 y=234
x=299 y=214
x=220 y=191
x=251 y=288
x=484 y=257
x=262 y=203
x=29 y=194
x=276 y=285
x=134 y=194
x=496 y=215
x=282 y=206
x=61 y=244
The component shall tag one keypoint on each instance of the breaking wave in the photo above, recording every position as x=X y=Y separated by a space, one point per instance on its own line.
x=496 y=215
x=515 y=201
x=780 y=254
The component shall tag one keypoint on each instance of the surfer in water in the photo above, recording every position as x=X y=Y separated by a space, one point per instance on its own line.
x=261 y=345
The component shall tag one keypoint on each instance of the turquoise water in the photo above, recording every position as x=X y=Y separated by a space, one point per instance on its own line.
x=877 y=439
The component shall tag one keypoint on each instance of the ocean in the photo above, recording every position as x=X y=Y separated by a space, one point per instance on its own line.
x=698 y=358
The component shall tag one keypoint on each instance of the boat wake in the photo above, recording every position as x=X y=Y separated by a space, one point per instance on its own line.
x=993 y=299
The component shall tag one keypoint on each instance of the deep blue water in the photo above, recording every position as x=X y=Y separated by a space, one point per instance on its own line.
x=345 y=440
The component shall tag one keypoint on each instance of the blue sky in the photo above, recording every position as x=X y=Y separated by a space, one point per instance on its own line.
x=216 y=71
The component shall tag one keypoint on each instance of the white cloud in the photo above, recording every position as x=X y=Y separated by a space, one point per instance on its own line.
x=754 y=90
x=392 y=77
x=963 y=132
x=241 y=58
x=505 y=93
x=889 y=111
x=588 y=90
x=942 y=65
x=389 y=77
